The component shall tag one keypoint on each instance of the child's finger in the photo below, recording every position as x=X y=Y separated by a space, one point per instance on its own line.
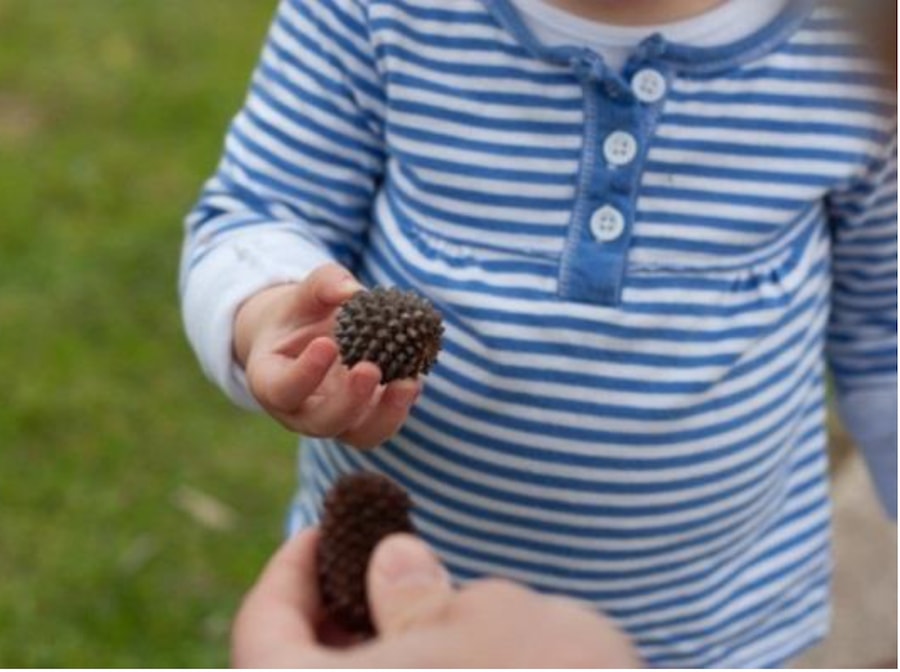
x=285 y=384
x=341 y=407
x=387 y=416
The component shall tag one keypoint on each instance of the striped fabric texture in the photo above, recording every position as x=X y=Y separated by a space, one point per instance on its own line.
x=641 y=291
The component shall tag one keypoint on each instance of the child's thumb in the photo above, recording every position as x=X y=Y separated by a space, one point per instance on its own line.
x=407 y=585
x=326 y=288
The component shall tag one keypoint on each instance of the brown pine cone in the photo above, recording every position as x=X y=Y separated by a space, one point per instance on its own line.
x=399 y=331
x=359 y=511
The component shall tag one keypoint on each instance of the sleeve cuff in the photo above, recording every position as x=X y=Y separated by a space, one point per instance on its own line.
x=870 y=416
x=220 y=282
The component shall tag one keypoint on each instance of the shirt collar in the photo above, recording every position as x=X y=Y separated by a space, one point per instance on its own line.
x=685 y=58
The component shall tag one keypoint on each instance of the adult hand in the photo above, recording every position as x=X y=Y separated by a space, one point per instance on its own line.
x=421 y=621
x=282 y=338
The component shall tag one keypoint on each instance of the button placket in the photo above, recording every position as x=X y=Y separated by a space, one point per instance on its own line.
x=594 y=263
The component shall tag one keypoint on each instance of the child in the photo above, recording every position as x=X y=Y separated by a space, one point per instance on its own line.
x=647 y=225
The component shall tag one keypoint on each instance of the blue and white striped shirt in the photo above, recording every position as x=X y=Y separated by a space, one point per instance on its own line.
x=642 y=275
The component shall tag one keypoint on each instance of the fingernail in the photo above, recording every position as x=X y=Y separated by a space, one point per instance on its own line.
x=348 y=286
x=404 y=561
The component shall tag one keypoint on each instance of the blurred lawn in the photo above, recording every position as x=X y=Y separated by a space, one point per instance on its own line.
x=136 y=505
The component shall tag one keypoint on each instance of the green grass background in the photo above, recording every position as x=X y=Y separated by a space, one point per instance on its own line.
x=136 y=505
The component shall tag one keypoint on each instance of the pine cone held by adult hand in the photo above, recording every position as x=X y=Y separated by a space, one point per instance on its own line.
x=359 y=511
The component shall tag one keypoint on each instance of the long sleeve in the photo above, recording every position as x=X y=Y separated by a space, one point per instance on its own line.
x=862 y=338
x=296 y=182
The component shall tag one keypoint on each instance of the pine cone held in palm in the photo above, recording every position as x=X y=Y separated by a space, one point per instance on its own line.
x=399 y=331
x=359 y=511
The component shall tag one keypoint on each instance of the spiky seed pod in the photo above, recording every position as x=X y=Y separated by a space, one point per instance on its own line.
x=399 y=331
x=359 y=511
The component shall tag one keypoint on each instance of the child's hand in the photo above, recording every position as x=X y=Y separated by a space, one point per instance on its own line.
x=283 y=340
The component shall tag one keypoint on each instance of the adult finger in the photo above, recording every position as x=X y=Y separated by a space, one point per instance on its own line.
x=281 y=611
x=386 y=417
x=332 y=413
x=407 y=585
x=285 y=383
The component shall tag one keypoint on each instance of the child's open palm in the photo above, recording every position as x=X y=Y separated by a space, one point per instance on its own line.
x=283 y=339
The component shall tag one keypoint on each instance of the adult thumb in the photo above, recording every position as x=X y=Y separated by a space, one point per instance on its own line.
x=407 y=585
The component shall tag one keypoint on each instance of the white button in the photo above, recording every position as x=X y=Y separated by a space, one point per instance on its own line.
x=607 y=224
x=649 y=86
x=620 y=148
